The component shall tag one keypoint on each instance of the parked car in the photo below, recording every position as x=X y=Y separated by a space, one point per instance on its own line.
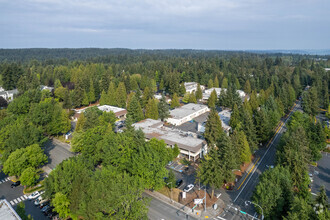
x=42 y=205
x=178 y=183
x=188 y=188
x=45 y=208
x=15 y=184
x=48 y=211
x=35 y=195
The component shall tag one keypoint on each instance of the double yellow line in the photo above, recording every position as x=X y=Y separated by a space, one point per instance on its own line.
x=271 y=140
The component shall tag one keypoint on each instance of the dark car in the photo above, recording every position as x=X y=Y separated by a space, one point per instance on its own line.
x=15 y=184
x=48 y=211
x=178 y=183
x=42 y=205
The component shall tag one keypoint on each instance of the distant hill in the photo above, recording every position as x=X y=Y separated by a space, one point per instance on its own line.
x=70 y=54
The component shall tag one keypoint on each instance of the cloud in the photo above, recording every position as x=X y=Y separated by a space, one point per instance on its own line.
x=171 y=22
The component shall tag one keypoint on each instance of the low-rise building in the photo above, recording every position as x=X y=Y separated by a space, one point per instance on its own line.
x=7 y=212
x=191 y=147
x=186 y=113
x=9 y=94
x=207 y=92
x=192 y=87
x=119 y=112
x=225 y=119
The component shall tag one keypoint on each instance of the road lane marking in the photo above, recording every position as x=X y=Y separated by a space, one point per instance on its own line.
x=274 y=137
x=313 y=194
x=15 y=201
x=12 y=203
x=25 y=197
x=19 y=200
x=248 y=173
x=22 y=198
x=221 y=218
x=7 y=179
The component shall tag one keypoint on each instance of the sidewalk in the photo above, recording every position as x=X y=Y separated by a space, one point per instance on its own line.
x=210 y=212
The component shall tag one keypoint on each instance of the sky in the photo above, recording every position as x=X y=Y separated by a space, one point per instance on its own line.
x=166 y=24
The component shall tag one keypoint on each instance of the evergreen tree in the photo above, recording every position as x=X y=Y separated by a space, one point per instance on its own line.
x=67 y=103
x=213 y=128
x=147 y=94
x=212 y=99
x=216 y=82
x=185 y=98
x=210 y=84
x=85 y=100
x=237 y=84
x=229 y=157
x=247 y=87
x=175 y=101
x=192 y=98
x=135 y=111
x=235 y=120
x=103 y=99
x=111 y=100
x=161 y=85
x=241 y=146
x=182 y=89
x=152 y=109
x=199 y=93
x=224 y=84
x=249 y=129
x=209 y=172
x=121 y=95
x=91 y=93
x=163 y=108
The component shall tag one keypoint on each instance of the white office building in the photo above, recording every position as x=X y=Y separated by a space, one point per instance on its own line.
x=186 y=113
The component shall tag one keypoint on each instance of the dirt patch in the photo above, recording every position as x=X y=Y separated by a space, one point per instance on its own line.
x=238 y=174
x=190 y=197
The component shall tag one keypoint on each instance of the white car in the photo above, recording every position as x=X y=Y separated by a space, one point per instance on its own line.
x=270 y=166
x=35 y=195
x=188 y=188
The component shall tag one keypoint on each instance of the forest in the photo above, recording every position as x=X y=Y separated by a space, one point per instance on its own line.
x=122 y=165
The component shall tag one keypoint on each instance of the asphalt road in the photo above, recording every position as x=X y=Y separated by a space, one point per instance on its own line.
x=57 y=152
x=159 y=210
x=236 y=199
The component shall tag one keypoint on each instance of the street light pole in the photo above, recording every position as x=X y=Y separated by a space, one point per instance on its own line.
x=262 y=211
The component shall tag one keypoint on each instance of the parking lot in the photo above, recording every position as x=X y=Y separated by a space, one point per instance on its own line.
x=322 y=175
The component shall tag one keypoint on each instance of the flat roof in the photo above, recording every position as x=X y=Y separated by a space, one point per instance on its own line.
x=155 y=129
x=186 y=110
x=7 y=212
x=225 y=118
x=118 y=111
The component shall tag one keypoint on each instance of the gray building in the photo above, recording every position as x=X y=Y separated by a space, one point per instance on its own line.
x=191 y=147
